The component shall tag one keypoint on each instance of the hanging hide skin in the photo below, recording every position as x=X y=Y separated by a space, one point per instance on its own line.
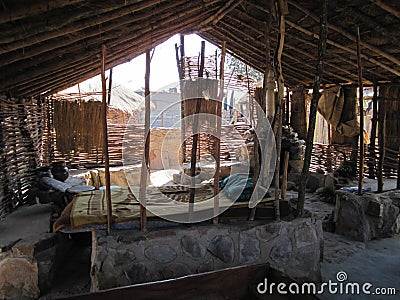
x=330 y=106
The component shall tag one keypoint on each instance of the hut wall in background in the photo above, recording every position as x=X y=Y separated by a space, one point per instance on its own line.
x=390 y=97
x=298 y=112
x=20 y=149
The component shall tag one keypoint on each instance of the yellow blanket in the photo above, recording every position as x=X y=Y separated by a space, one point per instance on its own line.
x=90 y=208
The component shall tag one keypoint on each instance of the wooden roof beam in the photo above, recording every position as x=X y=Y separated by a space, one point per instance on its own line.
x=387 y=8
x=316 y=36
x=295 y=49
x=244 y=53
x=83 y=53
x=372 y=23
x=337 y=45
x=339 y=30
x=79 y=25
x=224 y=10
x=56 y=43
x=68 y=72
x=103 y=35
x=256 y=41
x=12 y=12
x=26 y=28
x=339 y=77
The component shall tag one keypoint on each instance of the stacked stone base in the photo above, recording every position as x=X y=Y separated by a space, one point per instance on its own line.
x=294 y=248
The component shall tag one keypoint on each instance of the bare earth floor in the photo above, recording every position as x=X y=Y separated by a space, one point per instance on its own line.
x=376 y=262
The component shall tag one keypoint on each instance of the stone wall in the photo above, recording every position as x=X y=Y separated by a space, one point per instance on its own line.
x=124 y=258
x=28 y=268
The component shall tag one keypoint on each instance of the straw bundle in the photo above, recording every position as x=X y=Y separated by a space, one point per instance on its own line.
x=207 y=89
x=77 y=125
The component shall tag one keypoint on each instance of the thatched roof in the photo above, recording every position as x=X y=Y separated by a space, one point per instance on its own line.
x=47 y=46
x=122 y=98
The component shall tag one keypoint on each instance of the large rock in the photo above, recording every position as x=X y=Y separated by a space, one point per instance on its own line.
x=223 y=247
x=281 y=252
x=366 y=217
x=18 y=279
x=161 y=253
x=249 y=249
x=193 y=247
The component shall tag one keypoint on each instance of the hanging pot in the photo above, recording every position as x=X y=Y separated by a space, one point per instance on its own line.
x=59 y=170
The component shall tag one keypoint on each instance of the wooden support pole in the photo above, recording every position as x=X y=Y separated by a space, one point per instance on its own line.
x=105 y=139
x=284 y=175
x=218 y=133
x=313 y=109
x=398 y=171
x=381 y=142
x=145 y=160
x=287 y=119
x=278 y=114
x=266 y=156
x=195 y=128
x=110 y=86
x=372 y=154
x=251 y=104
x=180 y=63
x=361 y=105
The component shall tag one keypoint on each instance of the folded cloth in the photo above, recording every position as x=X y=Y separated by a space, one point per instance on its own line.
x=239 y=187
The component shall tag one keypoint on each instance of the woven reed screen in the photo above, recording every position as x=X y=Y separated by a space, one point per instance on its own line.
x=20 y=149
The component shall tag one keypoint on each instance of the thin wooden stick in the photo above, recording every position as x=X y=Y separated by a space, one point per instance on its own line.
x=195 y=127
x=105 y=139
x=287 y=119
x=218 y=137
x=145 y=161
x=313 y=109
x=266 y=155
x=110 y=86
x=284 y=175
x=251 y=104
x=361 y=104
x=180 y=63
x=381 y=142
x=398 y=171
x=372 y=154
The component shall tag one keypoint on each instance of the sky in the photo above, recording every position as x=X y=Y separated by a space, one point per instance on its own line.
x=163 y=70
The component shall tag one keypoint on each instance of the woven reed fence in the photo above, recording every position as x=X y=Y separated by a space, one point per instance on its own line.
x=20 y=151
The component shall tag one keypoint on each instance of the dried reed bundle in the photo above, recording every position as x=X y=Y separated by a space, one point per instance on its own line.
x=77 y=126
